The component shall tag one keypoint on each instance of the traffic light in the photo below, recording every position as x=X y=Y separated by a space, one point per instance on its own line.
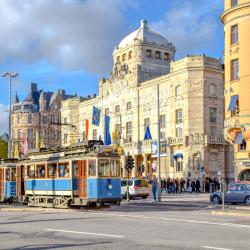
x=142 y=168
x=132 y=162
x=129 y=162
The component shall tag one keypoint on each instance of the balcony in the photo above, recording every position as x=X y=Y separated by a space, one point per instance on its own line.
x=214 y=140
x=175 y=141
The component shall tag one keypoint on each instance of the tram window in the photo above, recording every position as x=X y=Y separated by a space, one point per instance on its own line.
x=13 y=174
x=114 y=168
x=75 y=168
x=63 y=170
x=7 y=174
x=104 y=168
x=92 y=168
x=30 y=171
x=52 y=170
x=40 y=171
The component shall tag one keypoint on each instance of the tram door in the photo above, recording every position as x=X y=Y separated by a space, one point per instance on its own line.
x=1 y=182
x=20 y=181
x=82 y=179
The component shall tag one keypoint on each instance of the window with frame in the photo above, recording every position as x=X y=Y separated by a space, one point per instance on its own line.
x=44 y=119
x=63 y=169
x=178 y=90
x=107 y=111
x=124 y=57
x=52 y=167
x=157 y=54
x=129 y=131
x=235 y=69
x=65 y=138
x=13 y=174
x=75 y=168
x=179 y=165
x=29 y=118
x=129 y=54
x=103 y=168
x=212 y=114
x=178 y=116
x=40 y=171
x=179 y=132
x=31 y=145
x=92 y=167
x=162 y=121
x=31 y=172
x=234 y=34
x=243 y=146
x=234 y=3
x=162 y=135
x=7 y=174
x=114 y=168
x=94 y=134
x=129 y=105
x=30 y=133
x=146 y=123
x=166 y=56
x=236 y=109
x=117 y=108
x=213 y=131
x=212 y=88
x=19 y=134
x=149 y=53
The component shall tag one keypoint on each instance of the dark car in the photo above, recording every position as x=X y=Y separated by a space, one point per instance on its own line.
x=237 y=192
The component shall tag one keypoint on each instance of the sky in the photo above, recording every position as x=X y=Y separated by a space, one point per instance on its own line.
x=68 y=44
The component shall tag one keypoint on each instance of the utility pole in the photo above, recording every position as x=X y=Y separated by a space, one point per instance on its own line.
x=9 y=75
x=158 y=143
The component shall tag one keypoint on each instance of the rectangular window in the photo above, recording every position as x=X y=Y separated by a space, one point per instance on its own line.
x=63 y=169
x=65 y=138
x=114 y=168
x=149 y=53
x=123 y=57
x=179 y=132
x=212 y=114
x=179 y=166
x=236 y=109
x=235 y=69
x=52 y=170
x=129 y=54
x=213 y=131
x=129 y=131
x=162 y=121
x=103 y=168
x=92 y=167
x=75 y=168
x=234 y=34
x=117 y=108
x=157 y=54
x=107 y=111
x=178 y=116
x=31 y=172
x=19 y=134
x=234 y=3
x=40 y=171
x=94 y=134
x=30 y=118
x=30 y=133
x=166 y=56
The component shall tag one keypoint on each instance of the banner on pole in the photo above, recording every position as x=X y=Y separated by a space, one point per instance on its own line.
x=96 y=116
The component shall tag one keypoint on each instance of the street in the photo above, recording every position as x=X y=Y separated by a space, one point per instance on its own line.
x=181 y=221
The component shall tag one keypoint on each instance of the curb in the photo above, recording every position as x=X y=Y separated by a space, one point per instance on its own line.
x=233 y=213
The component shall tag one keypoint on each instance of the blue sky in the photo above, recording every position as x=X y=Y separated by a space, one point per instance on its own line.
x=68 y=43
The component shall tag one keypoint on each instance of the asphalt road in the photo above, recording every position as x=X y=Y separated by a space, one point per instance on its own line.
x=179 y=222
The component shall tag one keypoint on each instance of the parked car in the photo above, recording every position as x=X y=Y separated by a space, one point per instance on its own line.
x=237 y=192
x=137 y=188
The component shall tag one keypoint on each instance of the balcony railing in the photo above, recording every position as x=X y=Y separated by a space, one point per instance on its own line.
x=176 y=141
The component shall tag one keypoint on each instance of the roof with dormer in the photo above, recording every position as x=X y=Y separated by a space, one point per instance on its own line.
x=144 y=34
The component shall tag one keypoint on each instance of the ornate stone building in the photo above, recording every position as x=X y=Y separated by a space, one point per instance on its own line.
x=38 y=118
x=191 y=108
x=236 y=19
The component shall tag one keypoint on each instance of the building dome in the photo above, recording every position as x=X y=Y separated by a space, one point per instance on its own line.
x=145 y=34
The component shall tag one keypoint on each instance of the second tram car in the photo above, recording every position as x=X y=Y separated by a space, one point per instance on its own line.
x=70 y=177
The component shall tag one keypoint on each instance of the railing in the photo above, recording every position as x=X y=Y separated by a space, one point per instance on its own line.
x=175 y=140
x=214 y=140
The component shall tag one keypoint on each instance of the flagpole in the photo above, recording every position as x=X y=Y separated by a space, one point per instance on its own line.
x=158 y=143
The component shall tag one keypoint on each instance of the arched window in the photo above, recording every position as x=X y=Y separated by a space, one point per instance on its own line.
x=129 y=105
x=212 y=88
x=123 y=57
x=117 y=108
x=178 y=90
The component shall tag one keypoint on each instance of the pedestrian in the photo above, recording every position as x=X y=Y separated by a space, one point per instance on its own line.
x=197 y=186
x=154 y=185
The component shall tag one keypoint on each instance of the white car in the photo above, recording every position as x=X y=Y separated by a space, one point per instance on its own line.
x=137 y=188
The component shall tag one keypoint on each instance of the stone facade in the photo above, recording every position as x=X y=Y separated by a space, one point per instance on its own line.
x=191 y=108
x=38 y=118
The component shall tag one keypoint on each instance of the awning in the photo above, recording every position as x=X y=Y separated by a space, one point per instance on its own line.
x=147 y=135
x=239 y=139
x=178 y=155
x=233 y=102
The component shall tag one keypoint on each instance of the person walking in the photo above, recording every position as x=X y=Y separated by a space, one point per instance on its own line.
x=197 y=186
x=154 y=185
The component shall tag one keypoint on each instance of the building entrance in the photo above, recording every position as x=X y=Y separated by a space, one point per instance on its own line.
x=245 y=175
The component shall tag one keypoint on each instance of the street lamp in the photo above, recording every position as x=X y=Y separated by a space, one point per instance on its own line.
x=9 y=75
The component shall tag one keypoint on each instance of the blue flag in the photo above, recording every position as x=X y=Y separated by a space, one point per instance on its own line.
x=107 y=138
x=96 y=116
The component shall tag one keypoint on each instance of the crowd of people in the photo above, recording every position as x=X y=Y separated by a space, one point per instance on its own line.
x=174 y=186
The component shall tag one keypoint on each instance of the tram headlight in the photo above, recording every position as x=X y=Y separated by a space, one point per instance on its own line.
x=109 y=184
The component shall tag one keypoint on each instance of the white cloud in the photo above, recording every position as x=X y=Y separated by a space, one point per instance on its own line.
x=192 y=25
x=4 y=114
x=74 y=34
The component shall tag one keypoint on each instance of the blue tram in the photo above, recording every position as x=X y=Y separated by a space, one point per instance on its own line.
x=70 y=177
x=8 y=180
